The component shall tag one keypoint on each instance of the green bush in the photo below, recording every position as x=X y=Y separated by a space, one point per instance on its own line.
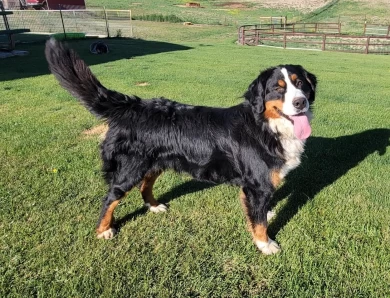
x=159 y=18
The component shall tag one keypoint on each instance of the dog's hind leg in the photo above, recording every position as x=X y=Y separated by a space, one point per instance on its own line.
x=146 y=190
x=105 y=224
x=122 y=181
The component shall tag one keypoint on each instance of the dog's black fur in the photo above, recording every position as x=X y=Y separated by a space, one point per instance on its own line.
x=221 y=145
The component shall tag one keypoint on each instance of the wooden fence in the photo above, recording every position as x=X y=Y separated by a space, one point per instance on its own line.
x=377 y=29
x=315 y=41
x=296 y=27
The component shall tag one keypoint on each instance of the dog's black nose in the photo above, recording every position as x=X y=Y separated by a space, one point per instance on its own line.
x=299 y=102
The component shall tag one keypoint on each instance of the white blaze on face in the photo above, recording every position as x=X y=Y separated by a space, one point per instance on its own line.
x=291 y=93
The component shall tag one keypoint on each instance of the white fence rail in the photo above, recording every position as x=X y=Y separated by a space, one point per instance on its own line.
x=92 y=22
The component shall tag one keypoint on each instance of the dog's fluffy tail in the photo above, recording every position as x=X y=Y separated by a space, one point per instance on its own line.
x=76 y=77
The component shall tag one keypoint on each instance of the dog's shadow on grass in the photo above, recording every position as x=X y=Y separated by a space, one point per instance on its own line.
x=325 y=160
x=176 y=192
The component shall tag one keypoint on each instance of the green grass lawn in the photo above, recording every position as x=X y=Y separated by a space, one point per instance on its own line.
x=333 y=212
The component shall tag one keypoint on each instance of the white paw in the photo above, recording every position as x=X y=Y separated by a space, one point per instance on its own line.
x=268 y=248
x=157 y=209
x=108 y=234
x=270 y=215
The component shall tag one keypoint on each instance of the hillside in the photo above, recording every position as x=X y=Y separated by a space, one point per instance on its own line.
x=379 y=9
x=351 y=13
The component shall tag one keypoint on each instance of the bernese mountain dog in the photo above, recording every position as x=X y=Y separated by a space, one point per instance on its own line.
x=252 y=145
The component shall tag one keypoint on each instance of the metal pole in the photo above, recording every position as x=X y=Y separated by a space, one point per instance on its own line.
x=75 y=20
x=62 y=21
x=131 y=26
x=105 y=17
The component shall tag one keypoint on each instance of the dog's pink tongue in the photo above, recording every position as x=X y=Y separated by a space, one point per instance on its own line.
x=302 y=127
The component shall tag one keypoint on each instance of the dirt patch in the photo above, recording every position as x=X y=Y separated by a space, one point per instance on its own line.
x=302 y=5
x=187 y=6
x=99 y=130
x=193 y=4
x=142 y=84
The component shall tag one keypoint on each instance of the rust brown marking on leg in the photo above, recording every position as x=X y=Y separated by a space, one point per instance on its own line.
x=260 y=233
x=108 y=218
x=242 y=197
x=146 y=189
x=275 y=178
x=271 y=108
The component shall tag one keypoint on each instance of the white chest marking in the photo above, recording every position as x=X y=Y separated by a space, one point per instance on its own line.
x=292 y=146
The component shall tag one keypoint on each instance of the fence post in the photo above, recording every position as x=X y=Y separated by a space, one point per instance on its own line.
x=105 y=17
x=24 y=26
x=367 y=44
x=256 y=37
x=284 y=40
x=75 y=20
x=62 y=21
x=388 y=31
x=323 y=41
x=242 y=35
x=131 y=25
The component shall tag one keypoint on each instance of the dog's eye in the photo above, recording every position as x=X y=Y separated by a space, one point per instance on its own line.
x=279 y=89
x=299 y=83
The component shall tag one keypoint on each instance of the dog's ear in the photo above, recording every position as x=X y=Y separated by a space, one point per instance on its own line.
x=255 y=94
x=311 y=78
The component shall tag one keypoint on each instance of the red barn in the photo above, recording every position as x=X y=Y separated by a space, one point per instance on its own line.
x=52 y=4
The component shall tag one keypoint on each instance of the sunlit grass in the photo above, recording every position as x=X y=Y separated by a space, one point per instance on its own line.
x=333 y=211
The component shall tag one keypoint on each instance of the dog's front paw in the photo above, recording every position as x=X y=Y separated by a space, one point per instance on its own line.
x=108 y=234
x=158 y=208
x=268 y=248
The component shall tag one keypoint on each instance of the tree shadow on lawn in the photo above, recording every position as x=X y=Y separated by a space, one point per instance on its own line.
x=35 y=64
x=327 y=159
